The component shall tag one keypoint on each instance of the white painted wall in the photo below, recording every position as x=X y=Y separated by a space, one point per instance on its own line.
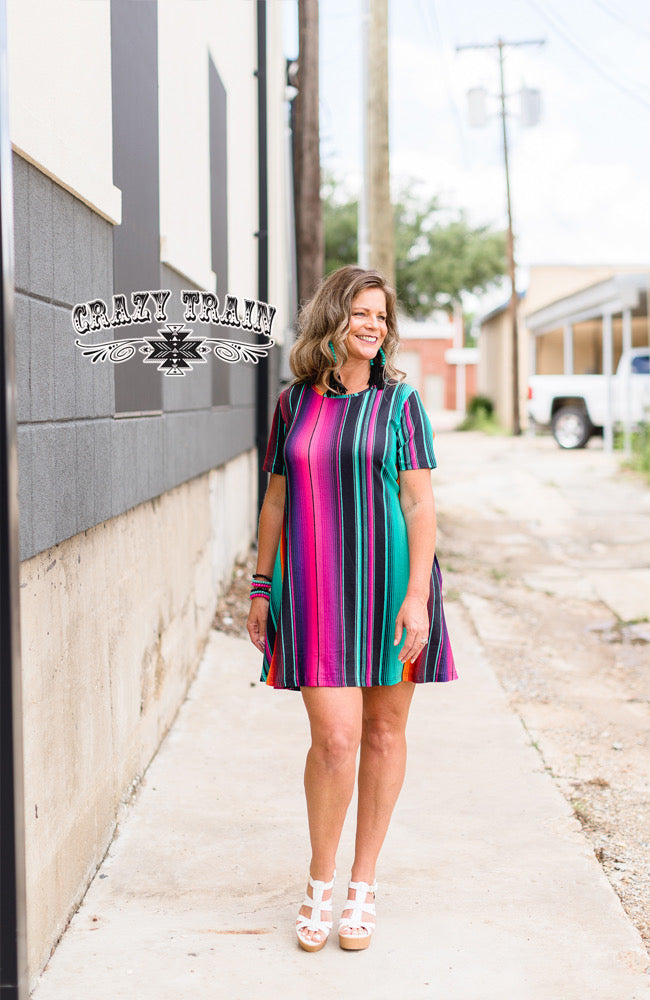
x=280 y=178
x=184 y=138
x=231 y=37
x=60 y=115
x=228 y=31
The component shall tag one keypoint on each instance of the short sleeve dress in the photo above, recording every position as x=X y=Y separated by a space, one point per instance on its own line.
x=342 y=566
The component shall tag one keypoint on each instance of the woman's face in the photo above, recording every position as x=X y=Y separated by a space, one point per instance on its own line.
x=367 y=324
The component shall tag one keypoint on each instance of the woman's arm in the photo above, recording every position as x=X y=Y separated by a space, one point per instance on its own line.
x=268 y=537
x=418 y=508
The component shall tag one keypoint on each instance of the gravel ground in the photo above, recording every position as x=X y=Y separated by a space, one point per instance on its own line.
x=580 y=682
x=576 y=674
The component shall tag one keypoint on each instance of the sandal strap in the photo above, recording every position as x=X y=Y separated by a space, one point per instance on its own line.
x=316 y=904
x=363 y=886
x=323 y=904
x=359 y=906
x=308 y=924
x=319 y=887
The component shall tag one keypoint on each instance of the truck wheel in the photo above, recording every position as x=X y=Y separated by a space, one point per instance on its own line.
x=571 y=427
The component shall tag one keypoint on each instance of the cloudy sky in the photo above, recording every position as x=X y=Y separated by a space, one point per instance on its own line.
x=580 y=179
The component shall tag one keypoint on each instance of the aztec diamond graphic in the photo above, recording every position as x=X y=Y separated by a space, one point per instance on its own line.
x=173 y=351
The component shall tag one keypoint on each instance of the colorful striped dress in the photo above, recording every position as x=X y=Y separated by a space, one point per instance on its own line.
x=342 y=567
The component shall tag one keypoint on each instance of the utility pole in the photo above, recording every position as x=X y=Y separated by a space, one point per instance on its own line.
x=500 y=45
x=376 y=237
x=310 y=252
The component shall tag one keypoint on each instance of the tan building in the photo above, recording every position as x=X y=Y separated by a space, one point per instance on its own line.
x=494 y=377
x=561 y=319
x=586 y=332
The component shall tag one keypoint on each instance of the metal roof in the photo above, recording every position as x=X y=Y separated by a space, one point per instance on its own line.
x=613 y=295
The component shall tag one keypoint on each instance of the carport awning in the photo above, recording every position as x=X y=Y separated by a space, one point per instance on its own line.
x=615 y=295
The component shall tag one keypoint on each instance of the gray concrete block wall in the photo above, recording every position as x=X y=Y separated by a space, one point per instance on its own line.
x=192 y=391
x=41 y=234
x=63 y=208
x=43 y=488
x=79 y=464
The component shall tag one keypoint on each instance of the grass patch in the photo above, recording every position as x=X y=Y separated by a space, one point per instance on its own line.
x=639 y=459
x=581 y=812
x=480 y=417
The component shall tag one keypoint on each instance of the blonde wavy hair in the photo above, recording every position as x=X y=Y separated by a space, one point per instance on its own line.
x=326 y=317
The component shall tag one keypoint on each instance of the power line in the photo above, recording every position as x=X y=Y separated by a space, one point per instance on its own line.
x=553 y=22
x=436 y=33
x=616 y=14
x=560 y=20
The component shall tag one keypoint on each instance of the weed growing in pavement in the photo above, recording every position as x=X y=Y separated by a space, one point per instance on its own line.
x=639 y=459
x=581 y=812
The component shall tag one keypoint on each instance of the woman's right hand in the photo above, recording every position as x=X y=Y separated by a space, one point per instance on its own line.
x=256 y=624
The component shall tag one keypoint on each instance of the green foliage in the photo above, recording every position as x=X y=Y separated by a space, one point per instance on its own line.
x=480 y=417
x=438 y=254
x=639 y=460
x=339 y=227
x=480 y=405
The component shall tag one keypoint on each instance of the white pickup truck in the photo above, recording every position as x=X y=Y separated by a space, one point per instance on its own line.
x=576 y=406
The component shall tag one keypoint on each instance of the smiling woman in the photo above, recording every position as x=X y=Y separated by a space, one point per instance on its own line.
x=367 y=330
x=343 y=329
x=346 y=604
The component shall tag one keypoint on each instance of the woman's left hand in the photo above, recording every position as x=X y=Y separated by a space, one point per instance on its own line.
x=413 y=617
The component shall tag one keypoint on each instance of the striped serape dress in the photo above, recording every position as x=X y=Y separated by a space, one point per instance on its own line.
x=342 y=566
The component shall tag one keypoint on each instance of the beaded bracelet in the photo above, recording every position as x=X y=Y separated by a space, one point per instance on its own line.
x=261 y=587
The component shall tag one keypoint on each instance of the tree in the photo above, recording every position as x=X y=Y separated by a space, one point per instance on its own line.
x=438 y=254
x=340 y=217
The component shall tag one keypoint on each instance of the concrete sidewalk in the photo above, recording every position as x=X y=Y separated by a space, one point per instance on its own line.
x=487 y=887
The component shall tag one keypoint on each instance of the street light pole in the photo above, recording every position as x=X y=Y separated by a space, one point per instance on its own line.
x=500 y=45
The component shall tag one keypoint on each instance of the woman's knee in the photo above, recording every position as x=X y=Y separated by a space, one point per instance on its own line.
x=382 y=735
x=335 y=748
x=335 y=718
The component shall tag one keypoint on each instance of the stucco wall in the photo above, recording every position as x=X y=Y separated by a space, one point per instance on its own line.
x=113 y=624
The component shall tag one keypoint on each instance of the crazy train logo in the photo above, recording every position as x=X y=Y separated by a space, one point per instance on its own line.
x=172 y=351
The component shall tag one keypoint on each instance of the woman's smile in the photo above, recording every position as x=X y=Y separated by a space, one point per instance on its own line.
x=367 y=324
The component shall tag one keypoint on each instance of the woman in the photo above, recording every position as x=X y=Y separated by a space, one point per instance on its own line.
x=346 y=559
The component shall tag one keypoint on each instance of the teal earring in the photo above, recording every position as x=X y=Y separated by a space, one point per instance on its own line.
x=331 y=347
x=382 y=355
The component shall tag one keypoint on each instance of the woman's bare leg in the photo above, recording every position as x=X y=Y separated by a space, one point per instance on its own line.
x=335 y=718
x=382 y=764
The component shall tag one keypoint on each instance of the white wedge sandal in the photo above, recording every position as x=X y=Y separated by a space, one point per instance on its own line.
x=315 y=922
x=358 y=905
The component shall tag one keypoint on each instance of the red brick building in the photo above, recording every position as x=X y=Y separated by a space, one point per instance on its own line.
x=436 y=363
